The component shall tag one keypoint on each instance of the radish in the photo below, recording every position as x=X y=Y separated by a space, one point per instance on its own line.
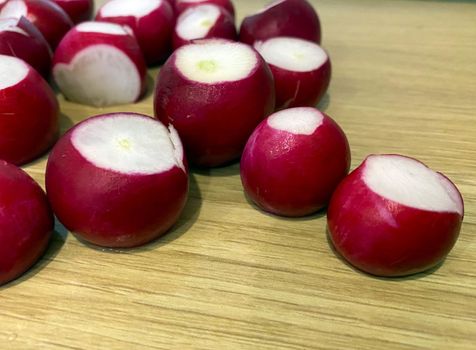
x=203 y=21
x=26 y=222
x=20 y=38
x=48 y=17
x=29 y=110
x=293 y=161
x=118 y=180
x=301 y=70
x=182 y=5
x=152 y=21
x=2 y=3
x=99 y=64
x=77 y=10
x=214 y=92
x=394 y=216
x=294 y=18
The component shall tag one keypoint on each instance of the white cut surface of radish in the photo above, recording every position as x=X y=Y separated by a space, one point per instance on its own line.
x=11 y=25
x=292 y=54
x=196 y=22
x=128 y=144
x=411 y=183
x=138 y=9
x=216 y=61
x=101 y=27
x=14 y=9
x=12 y=71
x=99 y=75
x=299 y=121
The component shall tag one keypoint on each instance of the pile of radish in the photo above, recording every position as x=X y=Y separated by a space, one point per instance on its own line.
x=225 y=94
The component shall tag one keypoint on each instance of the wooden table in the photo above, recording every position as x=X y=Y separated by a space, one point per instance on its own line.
x=229 y=276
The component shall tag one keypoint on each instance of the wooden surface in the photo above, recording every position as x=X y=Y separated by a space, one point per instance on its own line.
x=231 y=277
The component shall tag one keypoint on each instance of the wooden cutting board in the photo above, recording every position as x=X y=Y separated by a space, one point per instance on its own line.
x=229 y=276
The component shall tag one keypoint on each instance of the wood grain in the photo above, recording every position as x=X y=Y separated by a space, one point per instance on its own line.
x=229 y=276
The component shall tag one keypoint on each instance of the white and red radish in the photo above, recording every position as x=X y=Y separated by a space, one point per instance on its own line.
x=394 y=216
x=293 y=161
x=118 y=180
x=182 y=5
x=26 y=222
x=152 y=22
x=48 y=17
x=301 y=70
x=215 y=92
x=2 y=3
x=203 y=22
x=29 y=110
x=99 y=64
x=77 y=10
x=294 y=18
x=20 y=38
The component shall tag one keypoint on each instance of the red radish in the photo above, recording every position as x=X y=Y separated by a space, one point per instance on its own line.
x=203 y=21
x=99 y=64
x=26 y=222
x=293 y=161
x=152 y=21
x=77 y=10
x=118 y=180
x=301 y=70
x=182 y=5
x=214 y=92
x=2 y=3
x=48 y=17
x=20 y=38
x=29 y=110
x=294 y=18
x=394 y=216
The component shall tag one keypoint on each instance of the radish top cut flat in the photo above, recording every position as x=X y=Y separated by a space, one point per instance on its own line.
x=11 y=25
x=292 y=54
x=216 y=61
x=411 y=183
x=101 y=27
x=129 y=144
x=14 y=9
x=117 y=8
x=196 y=22
x=12 y=71
x=299 y=121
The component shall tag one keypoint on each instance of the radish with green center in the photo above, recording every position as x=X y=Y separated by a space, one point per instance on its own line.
x=394 y=216
x=201 y=22
x=215 y=92
x=118 y=180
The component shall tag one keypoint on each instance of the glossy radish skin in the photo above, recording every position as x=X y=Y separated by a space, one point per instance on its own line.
x=77 y=10
x=29 y=109
x=99 y=64
x=293 y=161
x=48 y=17
x=214 y=92
x=152 y=22
x=182 y=5
x=26 y=222
x=203 y=22
x=294 y=18
x=301 y=70
x=118 y=180
x=393 y=216
x=20 y=38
